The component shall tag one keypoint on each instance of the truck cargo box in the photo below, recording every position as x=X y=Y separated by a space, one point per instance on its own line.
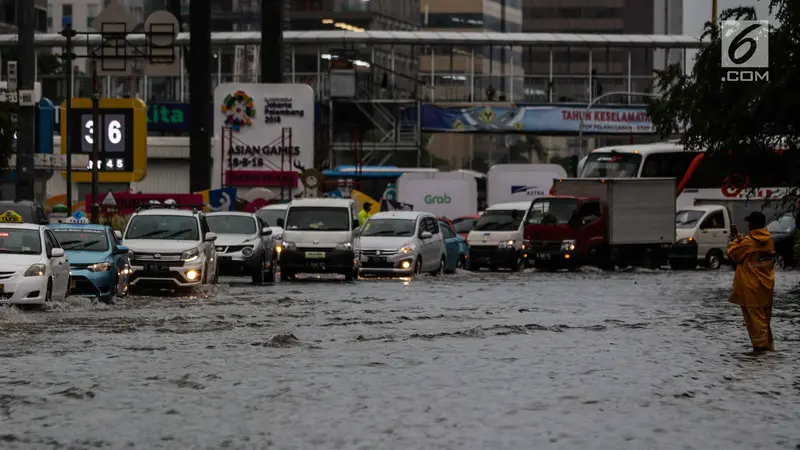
x=640 y=210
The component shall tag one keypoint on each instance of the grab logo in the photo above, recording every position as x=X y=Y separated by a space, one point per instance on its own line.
x=437 y=200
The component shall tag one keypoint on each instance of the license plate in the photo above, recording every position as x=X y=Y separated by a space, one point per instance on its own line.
x=317 y=265
x=225 y=258
x=484 y=259
x=156 y=268
x=377 y=259
x=542 y=256
x=315 y=255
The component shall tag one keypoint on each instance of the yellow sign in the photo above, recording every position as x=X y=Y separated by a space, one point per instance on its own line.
x=10 y=217
x=487 y=115
x=518 y=125
x=458 y=125
x=138 y=110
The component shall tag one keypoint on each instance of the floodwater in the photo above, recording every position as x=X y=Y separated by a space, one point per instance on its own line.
x=632 y=360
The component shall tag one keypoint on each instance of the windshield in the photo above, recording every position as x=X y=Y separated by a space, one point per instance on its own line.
x=15 y=240
x=389 y=227
x=612 y=165
x=318 y=218
x=231 y=224
x=500 y=220
x=464 y=225
x=82 y=239
x=552 y=211
x=688 y=218
x=26 y=212
x=785 y=224
x=163 y=227
x=271 y=216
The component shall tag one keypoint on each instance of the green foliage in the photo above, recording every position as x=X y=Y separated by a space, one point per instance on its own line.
x=738 y=124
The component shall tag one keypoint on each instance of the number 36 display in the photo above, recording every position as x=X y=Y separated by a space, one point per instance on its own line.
x=122 y=138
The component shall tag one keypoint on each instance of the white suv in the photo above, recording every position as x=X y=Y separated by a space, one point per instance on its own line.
x=170 y=248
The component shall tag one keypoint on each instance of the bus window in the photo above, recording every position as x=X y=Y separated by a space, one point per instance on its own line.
x=668 y=165
x=612 y=165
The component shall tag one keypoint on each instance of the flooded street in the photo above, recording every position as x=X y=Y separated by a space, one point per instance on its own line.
x=635 y=360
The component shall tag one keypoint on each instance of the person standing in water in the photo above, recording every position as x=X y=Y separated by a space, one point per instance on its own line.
x=754 y=282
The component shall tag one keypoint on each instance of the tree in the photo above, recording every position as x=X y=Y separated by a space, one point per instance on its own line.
x=738 y=124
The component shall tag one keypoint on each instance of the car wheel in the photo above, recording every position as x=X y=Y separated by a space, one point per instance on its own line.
x=269 y=277
x=519 y=265
x=286 y=275
x=111 y=297
x=442 y=265
x=418 y=266
x=713 y=260
x=462 y=262
x=351 y=275
x=48 y=295
x=258 y=272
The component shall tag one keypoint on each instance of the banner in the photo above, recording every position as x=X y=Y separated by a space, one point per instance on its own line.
x=536 y=119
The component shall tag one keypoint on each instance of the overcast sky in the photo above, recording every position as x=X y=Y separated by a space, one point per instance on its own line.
x=697 y=12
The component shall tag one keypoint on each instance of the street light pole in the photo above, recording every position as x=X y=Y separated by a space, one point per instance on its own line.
x=593 y=102
x=714 y=5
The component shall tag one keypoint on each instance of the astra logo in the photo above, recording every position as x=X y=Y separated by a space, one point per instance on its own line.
x=527 y=190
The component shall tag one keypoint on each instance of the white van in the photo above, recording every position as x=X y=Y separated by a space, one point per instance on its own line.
x=496 y=240
x=702 y=233
x=320 y=236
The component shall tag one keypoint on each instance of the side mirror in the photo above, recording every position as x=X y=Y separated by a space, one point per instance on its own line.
x=266 y=231
x=121 y=250
x=118 y=234
x=357 y=232
x=56 y=252
x=280 y=223
x=425 y=235
x=210 y=237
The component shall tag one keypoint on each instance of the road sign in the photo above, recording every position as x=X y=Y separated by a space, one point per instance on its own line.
x=115 y=56
x=164 y=60
x=109 y=200
x=123 y=138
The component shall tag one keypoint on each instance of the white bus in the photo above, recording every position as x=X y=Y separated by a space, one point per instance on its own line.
x=697 y=176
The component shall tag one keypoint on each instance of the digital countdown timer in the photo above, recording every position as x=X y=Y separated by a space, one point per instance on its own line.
x=121 y=131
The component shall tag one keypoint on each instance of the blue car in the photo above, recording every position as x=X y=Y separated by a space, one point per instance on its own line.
x=99 y=264
x=456 y=248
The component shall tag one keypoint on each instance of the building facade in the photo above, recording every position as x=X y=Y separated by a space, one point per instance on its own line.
x=8 y=16
x=498 y=69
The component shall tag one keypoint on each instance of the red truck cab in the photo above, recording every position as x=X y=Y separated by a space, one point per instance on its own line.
x=565 y=232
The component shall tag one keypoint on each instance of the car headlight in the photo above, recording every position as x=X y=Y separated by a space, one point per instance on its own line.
x=190 y=255
x=568 y=245
x=36 y=270
x=686 y=241
x=99 y=267
x=507 y=244
x=344 y=246
x=247 y=251
x=288 y=245
x=407 y=249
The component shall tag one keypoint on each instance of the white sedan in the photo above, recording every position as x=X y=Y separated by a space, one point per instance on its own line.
x=33 y=266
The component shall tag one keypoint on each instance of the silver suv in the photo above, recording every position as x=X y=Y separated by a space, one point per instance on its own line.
x=244 y=245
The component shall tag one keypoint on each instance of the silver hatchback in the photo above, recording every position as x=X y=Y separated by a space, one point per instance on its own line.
x=245 y=245
x=402 y=243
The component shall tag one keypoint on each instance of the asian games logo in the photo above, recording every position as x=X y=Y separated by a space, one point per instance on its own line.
x=239 y=109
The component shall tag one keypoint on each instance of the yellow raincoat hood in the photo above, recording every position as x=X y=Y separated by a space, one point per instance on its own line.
x=754 y=256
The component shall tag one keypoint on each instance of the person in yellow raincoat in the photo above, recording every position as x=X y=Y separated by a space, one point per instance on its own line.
x=364 y=214
x=754 y=282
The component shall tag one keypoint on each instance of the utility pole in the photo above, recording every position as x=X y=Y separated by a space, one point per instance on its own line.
x=26 y=117
x=271 y=41
x=68 y=56
x=714 y=5
x=96 y=126
x=200 y=95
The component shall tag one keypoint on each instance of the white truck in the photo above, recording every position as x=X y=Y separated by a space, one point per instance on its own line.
x=443 y=194
x=604 y=222
x=520 y=182
x=703 y=230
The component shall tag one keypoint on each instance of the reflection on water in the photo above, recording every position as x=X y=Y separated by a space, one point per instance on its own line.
x=642 y=359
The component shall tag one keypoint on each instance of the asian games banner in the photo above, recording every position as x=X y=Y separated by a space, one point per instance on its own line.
x=536 y=119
